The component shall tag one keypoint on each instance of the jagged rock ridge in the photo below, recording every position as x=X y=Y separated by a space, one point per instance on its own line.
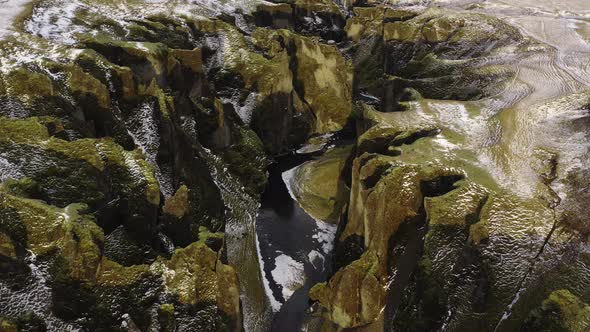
x=132 y=134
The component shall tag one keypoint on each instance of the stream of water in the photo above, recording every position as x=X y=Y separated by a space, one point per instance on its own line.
x=295 y=249
x=280 y=251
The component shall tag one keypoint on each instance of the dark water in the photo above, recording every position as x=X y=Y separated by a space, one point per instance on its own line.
x=284 y=228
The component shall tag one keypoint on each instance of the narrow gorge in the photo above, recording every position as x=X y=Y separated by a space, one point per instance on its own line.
x=295 y=165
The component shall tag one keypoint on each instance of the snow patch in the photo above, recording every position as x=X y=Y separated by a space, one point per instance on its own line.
x=289 y=274
x=325 y=235
x=317 y=260
x=274 y=304
x=288 y=177
x=9 y=171
x=9 y=10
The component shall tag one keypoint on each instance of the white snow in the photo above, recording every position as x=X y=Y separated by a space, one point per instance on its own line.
x=288 y=274
x=274 y=304
x=245 y=112
x=9 y=10
x=144 y=131
x=317 y=260
x=55 y=22
x=288 y=177
x=9 y=171
x=325 y=235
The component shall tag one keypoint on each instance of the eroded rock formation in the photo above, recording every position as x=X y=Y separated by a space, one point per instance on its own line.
x=135 y=139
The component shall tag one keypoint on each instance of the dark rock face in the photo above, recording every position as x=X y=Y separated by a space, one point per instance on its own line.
x=112 y=164
x=421 y=241
x=121 y=128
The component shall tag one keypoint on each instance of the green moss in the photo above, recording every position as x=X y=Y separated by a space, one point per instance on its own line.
x=317 y=6
x=479 y=233
x=177 y=205
x=31 y=322
x=195 y=276
x=365 y=22
x=315 y=293
x=275 y=9
x=326 y=78
x=48 y=229
x=24 y=187
x=205 y=235
x=575 y=314
x=7 y=248
x=561 y=311
x=246 y=159
x=166 y=317
x=154 y=54
x=328 y=88
x=7 y=325
x=457 y=208
x=23 y=130
x=440 y=30
x=352 y=309
x=24 y=82
x=268 y=76
x=32 y=131
x=12 y=226
x=438 y=25
x=192 y=59
x=112 y=274
x=161 y=29
x=400 y=31
x=86 y=85
x=319 y=187
x=167 y=309
x=133 y=174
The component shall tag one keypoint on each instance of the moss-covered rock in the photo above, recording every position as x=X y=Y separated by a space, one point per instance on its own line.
x=288 y=94
x=326 y=79
x=7 y=325
x=75 y=236
x=195 y=275
x=91 y=171
x=7 y=248
x=30 y=321
x=279 y=15
x=166 y=317
x=428 y=51
x=24 y=82
x=24 y=187
x=369 y=22
x=561 y=311
x=357 y=308
x=177 y=205
x=112 y=274
x=322 y=74
x=319 y=187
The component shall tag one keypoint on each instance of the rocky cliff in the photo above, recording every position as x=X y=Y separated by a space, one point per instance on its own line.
x=135 y=138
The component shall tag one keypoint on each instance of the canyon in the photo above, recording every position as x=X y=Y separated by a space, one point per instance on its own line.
x=294 y=165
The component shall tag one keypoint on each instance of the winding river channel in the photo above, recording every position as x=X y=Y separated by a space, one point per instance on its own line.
x=278 y=249
x=504 y=134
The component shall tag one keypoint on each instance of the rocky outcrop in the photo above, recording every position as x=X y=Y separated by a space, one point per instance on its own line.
x=112 y=143
x=319 y=185
x=131 y=134
x=561 y=311
x=322 y=18
x=431 y=239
